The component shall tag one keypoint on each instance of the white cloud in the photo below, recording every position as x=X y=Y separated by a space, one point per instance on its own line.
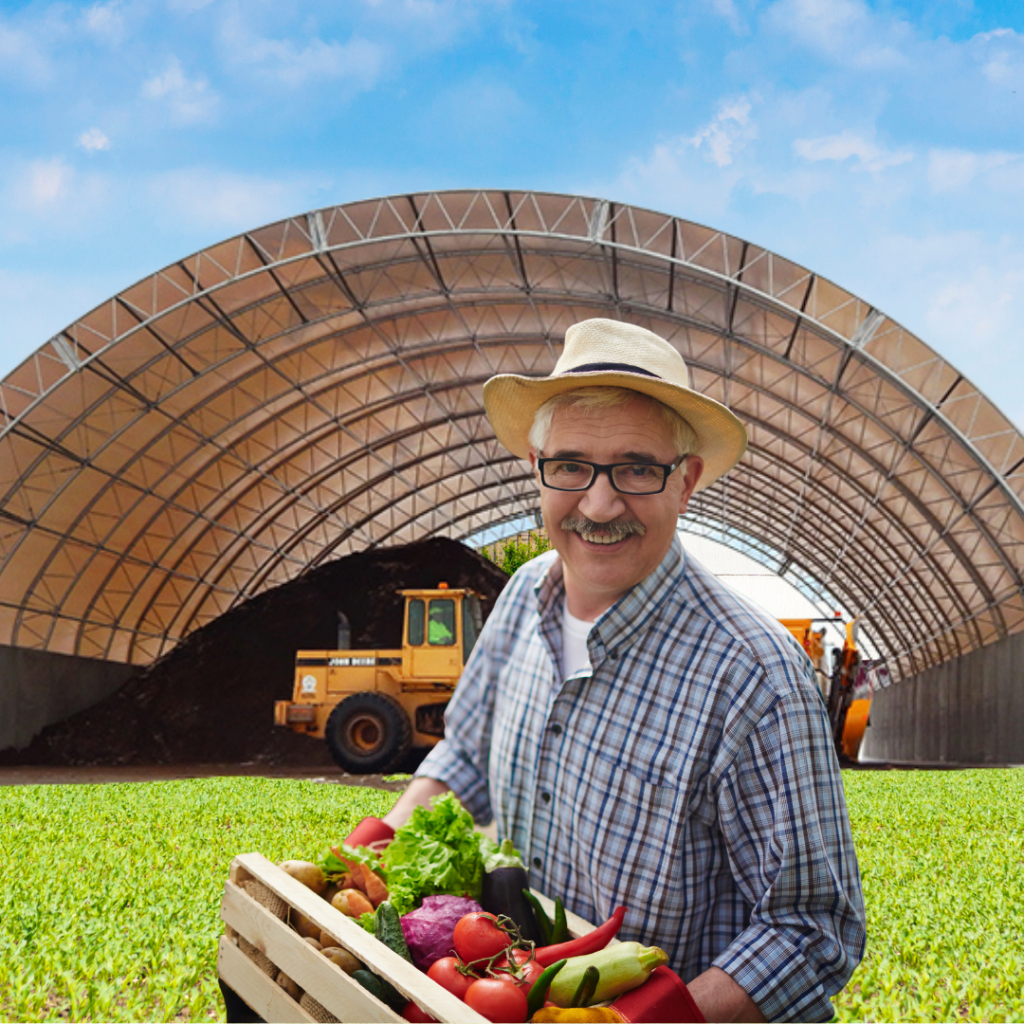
x=846 y=31
x=1001 y=54
x=950 y=169
x=189 y=100
x=358 y=61
x=851 y=145
x=727 y=9
x=48 y=181
x=105 y=20
x=93 y=140
x=21 y=58
x=723 y=132
x=222 y=201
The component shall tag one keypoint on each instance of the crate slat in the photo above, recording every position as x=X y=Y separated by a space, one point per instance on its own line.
x=313 y=973
x=262 y=993
x=283 y=942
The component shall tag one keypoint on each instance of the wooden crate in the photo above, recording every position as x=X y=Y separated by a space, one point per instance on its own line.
x=342 y=998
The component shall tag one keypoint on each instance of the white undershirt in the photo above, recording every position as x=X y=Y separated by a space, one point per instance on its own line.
x=575 y=657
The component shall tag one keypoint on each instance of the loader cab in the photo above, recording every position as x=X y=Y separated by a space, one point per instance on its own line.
x=441 y=627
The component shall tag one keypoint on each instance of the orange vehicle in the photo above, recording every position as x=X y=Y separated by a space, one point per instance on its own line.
x=849 y=701
x=372 y=706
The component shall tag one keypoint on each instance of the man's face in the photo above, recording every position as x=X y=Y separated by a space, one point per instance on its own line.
x=580 y=523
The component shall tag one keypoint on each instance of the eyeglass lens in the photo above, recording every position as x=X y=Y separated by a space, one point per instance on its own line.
x=633 y=477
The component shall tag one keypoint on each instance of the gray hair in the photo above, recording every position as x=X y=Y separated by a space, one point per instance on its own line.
x=605 y=397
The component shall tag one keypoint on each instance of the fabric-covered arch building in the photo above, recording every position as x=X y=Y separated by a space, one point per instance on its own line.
x=312 y=388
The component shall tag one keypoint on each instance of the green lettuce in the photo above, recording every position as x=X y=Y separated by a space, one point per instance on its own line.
x=437 y=851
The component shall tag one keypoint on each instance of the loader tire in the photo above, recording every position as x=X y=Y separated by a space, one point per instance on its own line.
x=368 y=733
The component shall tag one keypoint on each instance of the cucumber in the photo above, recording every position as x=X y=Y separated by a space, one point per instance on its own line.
x=383 y=990
x=387 y=926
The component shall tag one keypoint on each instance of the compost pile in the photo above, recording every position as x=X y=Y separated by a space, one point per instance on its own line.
x=211 y=699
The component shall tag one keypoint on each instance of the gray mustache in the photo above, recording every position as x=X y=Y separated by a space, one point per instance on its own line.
x=615 y=528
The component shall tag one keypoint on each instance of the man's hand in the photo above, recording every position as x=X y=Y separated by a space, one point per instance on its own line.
x=417 y=794
x=721 y=999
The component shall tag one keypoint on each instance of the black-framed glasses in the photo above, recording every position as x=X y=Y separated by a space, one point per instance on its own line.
x=626 y=477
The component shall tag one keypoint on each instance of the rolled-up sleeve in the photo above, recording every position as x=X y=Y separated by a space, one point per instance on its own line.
x=783 y=815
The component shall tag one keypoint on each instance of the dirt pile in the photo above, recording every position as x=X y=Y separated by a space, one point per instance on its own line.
x=211 y=698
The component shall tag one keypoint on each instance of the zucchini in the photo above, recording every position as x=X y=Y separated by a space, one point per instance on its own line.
x=622 y=967
x=387 y=926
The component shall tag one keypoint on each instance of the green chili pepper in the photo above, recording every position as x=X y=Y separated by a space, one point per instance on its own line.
x=543 y=921
x=539 y=992
x=560 y=927
x=587 y=987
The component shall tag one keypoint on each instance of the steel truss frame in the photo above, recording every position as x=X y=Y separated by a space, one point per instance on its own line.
x=312 y=388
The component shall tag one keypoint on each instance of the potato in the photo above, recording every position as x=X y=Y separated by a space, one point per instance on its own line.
x=352 y=903
x=327 y=939
x=289 y=986
x=302 y=924
x=342 y=957
x=331 y=891
x=315 y=943
x=308 y=874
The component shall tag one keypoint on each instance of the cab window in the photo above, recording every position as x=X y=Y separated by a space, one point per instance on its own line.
x=441 y=624
x=416 y=619
x=471 y=623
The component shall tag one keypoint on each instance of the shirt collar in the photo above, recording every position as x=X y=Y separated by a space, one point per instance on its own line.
x=631 y=614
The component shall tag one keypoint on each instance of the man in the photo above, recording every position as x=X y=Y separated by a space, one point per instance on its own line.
x=643 y=735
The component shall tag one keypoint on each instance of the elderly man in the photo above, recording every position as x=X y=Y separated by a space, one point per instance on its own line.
x=644 y=735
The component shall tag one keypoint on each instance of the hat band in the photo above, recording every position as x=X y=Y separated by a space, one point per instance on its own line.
x=627 y=367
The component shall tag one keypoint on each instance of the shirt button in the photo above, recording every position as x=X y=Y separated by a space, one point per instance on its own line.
x=546 y=797
x=556 y=729
x=614 y=655
x=536 y=862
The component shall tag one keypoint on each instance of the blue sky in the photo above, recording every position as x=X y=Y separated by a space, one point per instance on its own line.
x=880 y=144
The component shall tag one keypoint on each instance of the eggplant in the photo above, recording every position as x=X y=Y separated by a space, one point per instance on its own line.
x=504 y=880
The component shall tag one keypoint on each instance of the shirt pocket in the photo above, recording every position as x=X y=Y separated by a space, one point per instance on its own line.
x=629 y=825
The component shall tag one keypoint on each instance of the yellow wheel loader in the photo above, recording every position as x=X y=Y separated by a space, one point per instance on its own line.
x=372 y=706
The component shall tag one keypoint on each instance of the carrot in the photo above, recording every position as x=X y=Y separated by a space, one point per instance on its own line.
x=352 y=903
x=375 y=887
x=370 y=883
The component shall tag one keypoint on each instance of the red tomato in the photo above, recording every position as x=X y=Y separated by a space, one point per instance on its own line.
x=477 y=935
x=529 y=969
x=416 y=1015
x=498 y=999
x=447 y=974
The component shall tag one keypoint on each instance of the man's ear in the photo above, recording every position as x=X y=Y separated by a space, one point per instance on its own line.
x=691 y=475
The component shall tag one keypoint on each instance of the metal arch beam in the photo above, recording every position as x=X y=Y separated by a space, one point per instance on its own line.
x=774 y=396
x=68 y=352
x=397 y=399
x=799 y=369
x=811 y=324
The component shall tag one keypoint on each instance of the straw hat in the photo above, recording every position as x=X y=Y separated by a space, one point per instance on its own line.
x=615 y=354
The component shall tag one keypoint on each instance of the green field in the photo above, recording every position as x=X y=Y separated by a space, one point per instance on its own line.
x=109 y=895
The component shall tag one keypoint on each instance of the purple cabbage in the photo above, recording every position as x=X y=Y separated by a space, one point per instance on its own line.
x=429 y=931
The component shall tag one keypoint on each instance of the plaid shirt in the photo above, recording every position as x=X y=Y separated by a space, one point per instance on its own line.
x=690 y=777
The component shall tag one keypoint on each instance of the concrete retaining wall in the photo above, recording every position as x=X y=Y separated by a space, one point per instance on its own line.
x=968 y=711
x=38 y=688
